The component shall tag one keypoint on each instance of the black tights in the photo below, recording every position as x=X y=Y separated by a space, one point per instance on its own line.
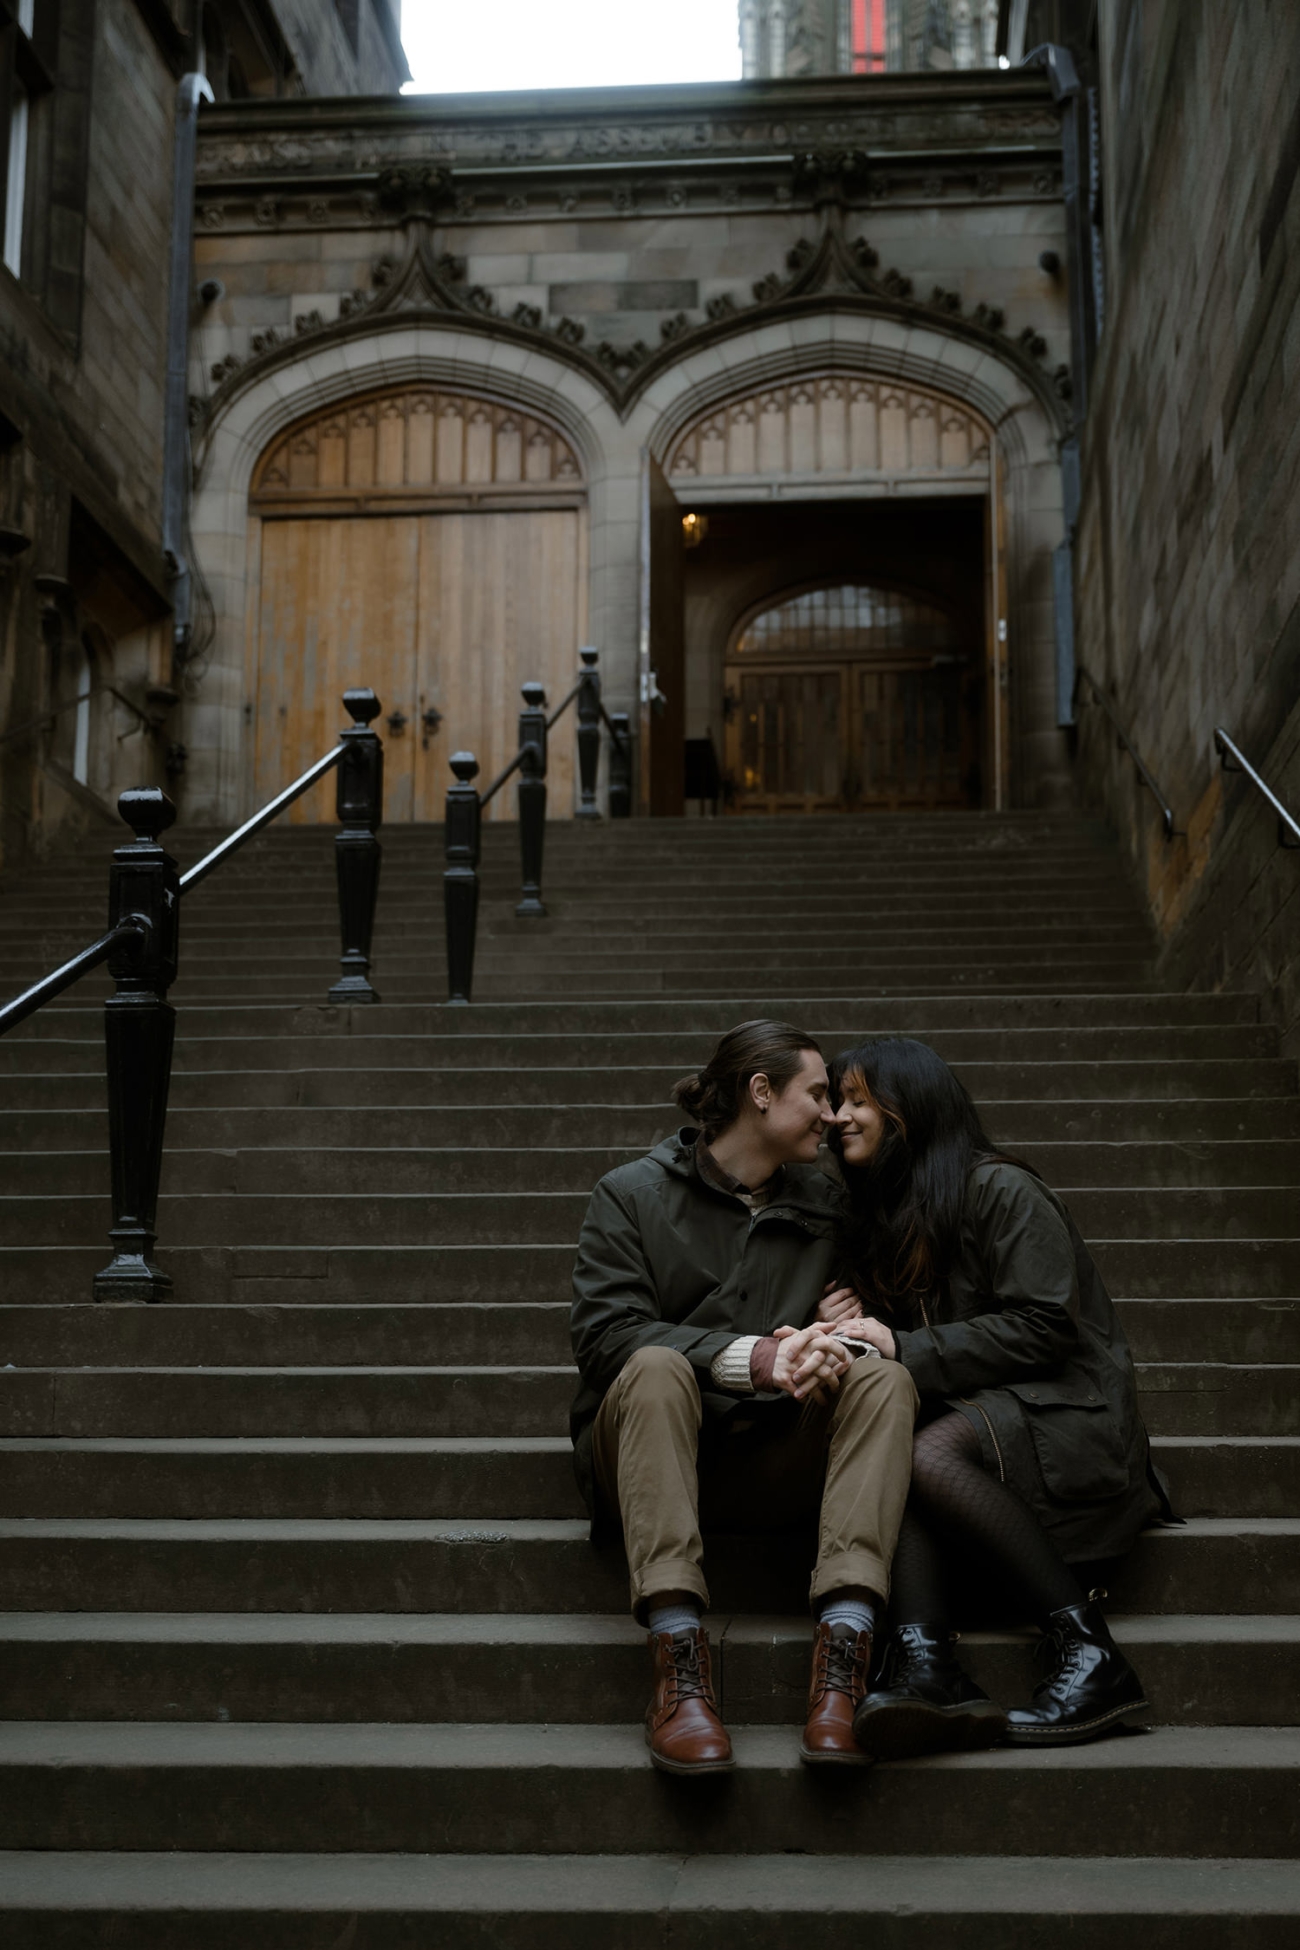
x=954 y=1501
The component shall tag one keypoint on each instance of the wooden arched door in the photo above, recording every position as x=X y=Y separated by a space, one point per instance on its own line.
x=430 y=544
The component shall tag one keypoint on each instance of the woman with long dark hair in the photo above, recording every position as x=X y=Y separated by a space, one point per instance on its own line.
x=1030 y=1454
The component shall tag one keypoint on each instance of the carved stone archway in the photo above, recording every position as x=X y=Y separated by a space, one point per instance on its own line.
x=978 y=385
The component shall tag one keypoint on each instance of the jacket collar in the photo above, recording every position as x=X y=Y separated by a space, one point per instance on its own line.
x=722 y=1181
x=803 y=1188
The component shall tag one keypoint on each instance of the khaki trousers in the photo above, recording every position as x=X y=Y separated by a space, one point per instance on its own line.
x=848 y=1464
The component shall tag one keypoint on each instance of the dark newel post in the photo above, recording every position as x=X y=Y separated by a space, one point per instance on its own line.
x=460 y=880
x=139 y=1025
x=532 y=797
x=588 y=735
x=620 y=766
x=357 y=852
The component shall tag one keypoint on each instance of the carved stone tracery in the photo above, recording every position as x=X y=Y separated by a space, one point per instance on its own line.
x=836 y=422
x=415 y=443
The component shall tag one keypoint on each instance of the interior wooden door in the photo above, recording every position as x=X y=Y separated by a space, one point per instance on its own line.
x=445 y=616
x=915 y=737
x=787 y=733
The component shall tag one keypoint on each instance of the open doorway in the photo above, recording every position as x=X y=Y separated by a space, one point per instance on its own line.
x=836 y=652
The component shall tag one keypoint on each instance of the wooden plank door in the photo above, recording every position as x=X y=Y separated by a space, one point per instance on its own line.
x=337 y=608
x=500 y=603
x=448 y=613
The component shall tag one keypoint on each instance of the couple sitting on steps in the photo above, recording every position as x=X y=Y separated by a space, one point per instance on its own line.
x=924 y=1361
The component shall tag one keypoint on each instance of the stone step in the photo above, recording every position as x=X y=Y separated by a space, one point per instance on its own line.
x=673 y=1901
x=1263 y=1269
x=1202 y=1791
x=679 y=984
x=308 y=932
x=847 y=1018
x=466 y=1476
x=371 y=1213
x=1204 y=1135
x=1224 y=1565
x=1224 y=1170
x=560 y=1669
x=486 y=1332
x=1178 y=1398
x=291 y=1077
x=378 y=1041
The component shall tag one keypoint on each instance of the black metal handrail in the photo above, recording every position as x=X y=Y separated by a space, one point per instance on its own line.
x=58 y=979
x=271 y=810
x=1126 y=744
x=465 y=805
x=141 y=949
x=1234 y=760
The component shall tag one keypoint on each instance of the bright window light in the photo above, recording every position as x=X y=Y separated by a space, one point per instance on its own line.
x=453 y=47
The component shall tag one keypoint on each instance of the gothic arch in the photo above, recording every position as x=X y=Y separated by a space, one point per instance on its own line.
x=393 y=358
x=1024 y=478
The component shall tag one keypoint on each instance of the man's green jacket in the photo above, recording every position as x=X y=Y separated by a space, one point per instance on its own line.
x=665 y=1260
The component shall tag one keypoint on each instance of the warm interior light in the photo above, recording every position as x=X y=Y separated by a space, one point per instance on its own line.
x=694 y=529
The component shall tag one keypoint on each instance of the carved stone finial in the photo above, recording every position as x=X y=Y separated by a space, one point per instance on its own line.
x=408 y=190
x=147 y=810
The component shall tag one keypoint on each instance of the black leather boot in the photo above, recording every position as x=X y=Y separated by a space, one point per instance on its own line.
x=1090 y=1687
x=925 y=1704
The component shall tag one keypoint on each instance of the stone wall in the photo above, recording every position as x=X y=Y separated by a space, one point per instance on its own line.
x=82 y=356
x=82 y=362
x=1187 y=563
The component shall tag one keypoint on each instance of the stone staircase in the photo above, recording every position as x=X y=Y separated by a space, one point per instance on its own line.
x=302 y=1644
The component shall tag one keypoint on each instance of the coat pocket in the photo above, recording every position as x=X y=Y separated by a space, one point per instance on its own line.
x=1081 y=1448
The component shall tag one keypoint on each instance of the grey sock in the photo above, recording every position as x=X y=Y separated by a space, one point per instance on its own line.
x=857 y=1614
x=673 y=1618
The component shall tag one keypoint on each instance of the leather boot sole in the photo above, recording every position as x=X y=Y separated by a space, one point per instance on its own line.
x=1076 y=1733
x=906 y=1729
x=666 y=1766
x=816 y=1757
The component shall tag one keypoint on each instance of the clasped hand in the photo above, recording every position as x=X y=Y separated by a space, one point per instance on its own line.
x=809 y=1363
x=840 y=1311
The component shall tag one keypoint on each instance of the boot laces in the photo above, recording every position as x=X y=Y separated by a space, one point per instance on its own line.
x=1060 y=1653
x=842 y=1663
x=908 y=1655
x=688 y=1669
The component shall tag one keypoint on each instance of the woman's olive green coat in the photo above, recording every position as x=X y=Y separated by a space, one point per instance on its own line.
x=1024 y=1340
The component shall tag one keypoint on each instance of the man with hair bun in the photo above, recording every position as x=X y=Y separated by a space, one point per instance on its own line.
x=710 y=1391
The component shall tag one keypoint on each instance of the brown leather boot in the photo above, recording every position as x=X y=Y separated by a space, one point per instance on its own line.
x=841 y=1661
x=682 y=1728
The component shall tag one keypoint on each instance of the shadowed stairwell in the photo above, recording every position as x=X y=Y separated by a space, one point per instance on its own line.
x=303 y=1643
